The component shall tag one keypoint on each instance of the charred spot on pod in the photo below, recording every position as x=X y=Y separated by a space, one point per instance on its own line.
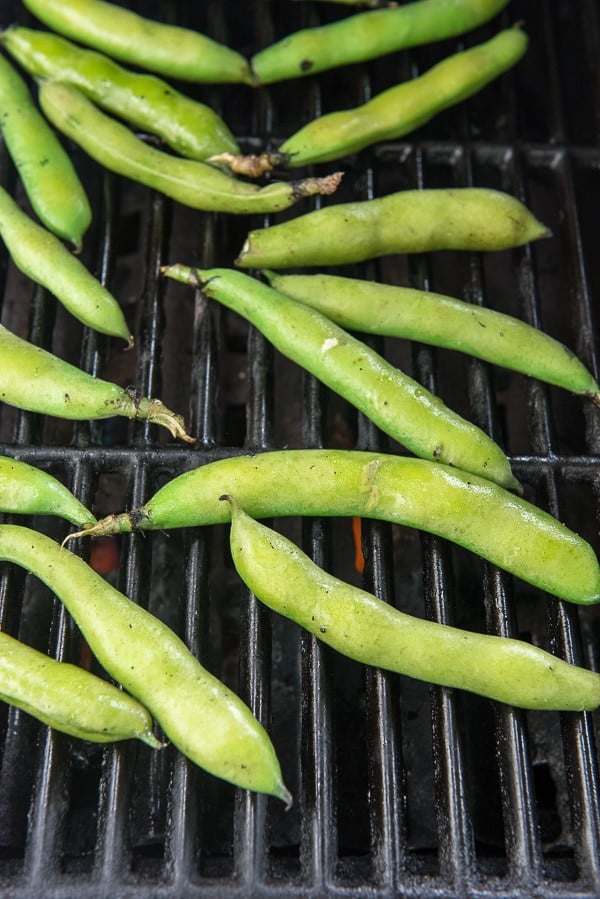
x=136 y=516
x=134 y=395
x=306 y=65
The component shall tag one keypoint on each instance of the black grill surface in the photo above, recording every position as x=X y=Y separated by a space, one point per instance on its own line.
x=400 y=789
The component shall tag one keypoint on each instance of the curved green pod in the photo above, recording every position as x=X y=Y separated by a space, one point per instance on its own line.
x=396 y=403
x=399 y=110
x=368 y=35
x=156 y=46
x=394 y=112
x=27 y=490
x=369 y=630
x=69 y=698
x=48 y=176
x=44 y=258
x=205 y=720
x=193 y=183
x=187 y=126
x=34 y=379
x=475 y=513
x=410 y=221
x=442 y=321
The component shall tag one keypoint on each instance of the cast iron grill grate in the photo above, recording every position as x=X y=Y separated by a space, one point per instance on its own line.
x=400 y=789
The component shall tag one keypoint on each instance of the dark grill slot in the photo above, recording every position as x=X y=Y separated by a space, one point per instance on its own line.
x=401 y=789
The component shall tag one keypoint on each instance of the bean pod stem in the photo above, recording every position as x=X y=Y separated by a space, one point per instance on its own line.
x=442 y=321
x=396 y=403
x=69 y=698
x=202 y=718
x=472 y=512
x=368 y=630
x=27 y=490
x=34 y=379
x=409 y=221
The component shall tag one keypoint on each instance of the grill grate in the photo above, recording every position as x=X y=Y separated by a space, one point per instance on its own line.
x=400 y=789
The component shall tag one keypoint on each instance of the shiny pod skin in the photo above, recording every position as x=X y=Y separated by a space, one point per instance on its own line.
x=159 y=47
x=202 y=718
x=69 y=698
x=34 y=379
x=44 y=258
x=187 y=126
x=192 y=183
x=475 y=513
x=410 y=221
x=369 y=35
x=48 y=176
x=443 y=321
x=396 y=403
x=371 y=631
x=27 y=490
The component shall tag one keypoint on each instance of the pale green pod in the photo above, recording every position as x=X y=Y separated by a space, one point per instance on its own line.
x=394 y=112
x=69 y=698
x=368 y=630
x=368 y=35
x=188 y=181
x=34 y=379
x=410 y=221
x=401 y=109
x=472 y=512
x=27 y=490
x=205 y=720
x=45 y=259
x=156 y=46
x=46 y=171
x=189 y=127
x=442 y=321
x=396 y=403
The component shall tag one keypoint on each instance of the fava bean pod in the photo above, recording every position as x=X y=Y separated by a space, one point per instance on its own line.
x=399 y=405
x=409 y=221
x=470 y=511
x=205 y=720
x=69 y=698
x=34 y=379
x=371 y=631
x=442 y=321
x=27 y=490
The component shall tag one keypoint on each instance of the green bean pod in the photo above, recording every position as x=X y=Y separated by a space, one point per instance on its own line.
x=368 y=630
x=48 y=176
x=394 y=112
x=193 y=183
x=472 y=512
x=442 y=321
x=189 y=127
x=45 y=259
x=69 y=698
x=396 y=403
x=27 y=490
x=368 y=35
x=205 y=720
x=34 y=379
x=410 y=221
x=167 y=49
